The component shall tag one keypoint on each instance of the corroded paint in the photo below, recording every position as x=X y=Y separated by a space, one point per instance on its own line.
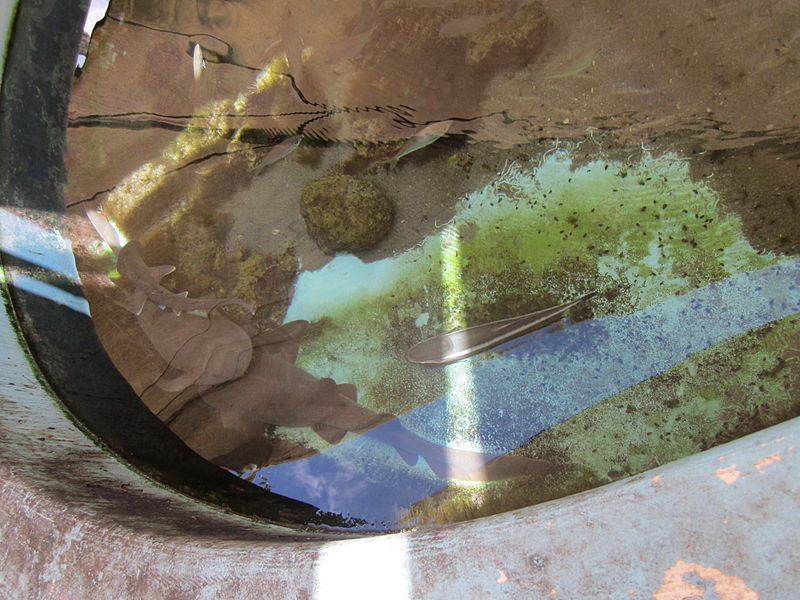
x=728 y=474
x=675 y=587
x=767 y=460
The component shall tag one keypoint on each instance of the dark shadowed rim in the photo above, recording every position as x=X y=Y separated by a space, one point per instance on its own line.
x=33 y=116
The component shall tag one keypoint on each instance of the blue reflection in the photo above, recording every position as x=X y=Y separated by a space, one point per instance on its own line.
x=45 y=247
x=50 y=292
x=24 y=239
x=539 y=383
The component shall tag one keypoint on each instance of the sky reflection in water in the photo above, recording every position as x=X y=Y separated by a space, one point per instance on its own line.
x=538 y=384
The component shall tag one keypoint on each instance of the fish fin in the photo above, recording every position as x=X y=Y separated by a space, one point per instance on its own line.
x=139 y=299
x=177 y=304
x=410 y=458
x=158 y=273
x=329 y=433
x=129 y=303
x=287 y=332
x=348 y=390
x=326 y=385
x=440 y=469
x=283 y=340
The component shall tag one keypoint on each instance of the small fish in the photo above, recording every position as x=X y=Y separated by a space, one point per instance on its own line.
x=455 y=345
x=106 y=230
x=425 y=137
x=582 y=65
x=198 y=62
x=279 y=151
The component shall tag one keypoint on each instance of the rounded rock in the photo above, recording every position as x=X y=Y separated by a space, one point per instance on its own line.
x=343 y=212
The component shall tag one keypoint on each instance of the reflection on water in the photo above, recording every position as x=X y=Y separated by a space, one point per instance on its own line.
x=311 y=190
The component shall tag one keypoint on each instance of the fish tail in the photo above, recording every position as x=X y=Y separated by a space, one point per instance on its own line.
x=452 y=463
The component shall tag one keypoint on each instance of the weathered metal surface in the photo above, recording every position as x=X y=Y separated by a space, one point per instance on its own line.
x=77 y=523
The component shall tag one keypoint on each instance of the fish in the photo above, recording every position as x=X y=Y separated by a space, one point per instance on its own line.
x=229 y=387
x=452 y=463
x=198 y=350
x=581 y=65
x=104 y=227
x=219 y=422
x=147 y=285
x=273 y=391
x=279 y=151
x=198 y=62
x=425 y=137
x=449 y=347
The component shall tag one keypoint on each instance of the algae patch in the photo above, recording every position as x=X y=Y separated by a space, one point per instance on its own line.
x=343 y=212
x=638 y=234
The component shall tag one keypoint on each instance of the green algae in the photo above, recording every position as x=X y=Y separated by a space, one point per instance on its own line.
x=532 y=239
x=196 y=246
x=734 y=388
x=343 y=212
x=637 y=233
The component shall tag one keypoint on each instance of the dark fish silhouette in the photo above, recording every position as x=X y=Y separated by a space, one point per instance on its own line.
x=202 y=351
x=230 y=388
x=147 y=285
x=452 y=463
x=274 y=391
x=455 y=345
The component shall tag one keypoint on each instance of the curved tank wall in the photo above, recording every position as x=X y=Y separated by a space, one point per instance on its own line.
x=77 y=521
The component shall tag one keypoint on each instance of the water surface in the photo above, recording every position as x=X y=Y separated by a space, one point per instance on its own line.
x=359 y=177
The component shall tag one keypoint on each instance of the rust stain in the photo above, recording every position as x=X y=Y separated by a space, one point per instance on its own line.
x=728 y=474
x=767 y=460
x=675 y=587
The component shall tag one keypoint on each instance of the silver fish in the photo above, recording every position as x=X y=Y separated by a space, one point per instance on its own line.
x=455 y=345
x=198 y=62
x=425 y=137
x=106 y=230
x=278 y=152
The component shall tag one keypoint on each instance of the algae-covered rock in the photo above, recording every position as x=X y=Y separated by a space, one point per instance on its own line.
x=345 y=213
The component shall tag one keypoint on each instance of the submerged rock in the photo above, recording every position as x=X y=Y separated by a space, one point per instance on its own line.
x=343 y=212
